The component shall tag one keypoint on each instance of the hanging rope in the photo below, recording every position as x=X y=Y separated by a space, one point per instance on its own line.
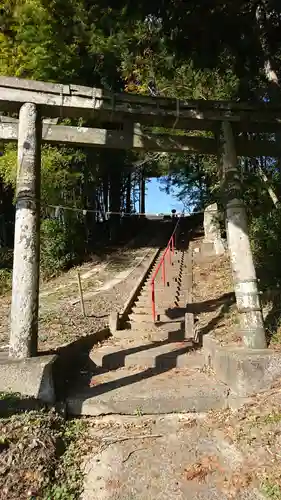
x=94 y=97
x=177 y=113
x=112 y=105
x=61 y=100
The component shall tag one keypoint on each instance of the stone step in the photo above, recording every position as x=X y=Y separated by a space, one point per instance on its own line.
x=163 y=307
x=176 y=264
x=147 y=309
x=167 y=293
x=160 y=355
x=170 y=282
x=161 y=304
x=148 y=391
x=145 y=335
x=173 y=269
x=146 y=317
x=163 y=290
x=168 y=326
x=173 y=278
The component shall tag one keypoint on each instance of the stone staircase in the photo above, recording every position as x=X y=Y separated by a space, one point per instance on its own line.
x=170 y=302
x=150 y=367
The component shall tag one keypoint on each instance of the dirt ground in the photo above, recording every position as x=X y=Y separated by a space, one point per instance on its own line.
x=219 y=455
x=213 y=296
x=214 y=302
x=106 y=286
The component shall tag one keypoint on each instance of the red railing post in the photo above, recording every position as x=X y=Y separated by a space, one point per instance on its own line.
x=153 y=301
x=164 y=271
x=170 y=249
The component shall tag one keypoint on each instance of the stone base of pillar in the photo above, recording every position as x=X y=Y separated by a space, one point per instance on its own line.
x=244 y=371
x=216 y=247
x=32 y=377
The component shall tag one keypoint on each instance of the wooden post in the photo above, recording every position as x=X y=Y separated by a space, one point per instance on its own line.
x=25 y=288
x=81 y=294
x=244 y=275
x=142 y=192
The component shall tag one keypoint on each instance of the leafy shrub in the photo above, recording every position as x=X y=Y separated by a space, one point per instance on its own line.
x=5 y=280
x=54 y=253
x=265 y=234
x=6 y=266
x=61 y=243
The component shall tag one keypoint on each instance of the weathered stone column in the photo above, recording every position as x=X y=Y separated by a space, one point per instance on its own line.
x=244 y=274
x=25 y=290
x=212 y=233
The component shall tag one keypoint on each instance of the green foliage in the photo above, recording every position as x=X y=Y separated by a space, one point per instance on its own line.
x=265 y=233
x=126 y=45
x=6 y=264
x=68 y=479
x=59 y=171
x=5 y=281
x=60 y=244
x=271 y=490
x=42 y=452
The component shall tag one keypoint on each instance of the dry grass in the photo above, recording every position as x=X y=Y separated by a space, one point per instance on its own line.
x=255 y=431
x=40 y=455
x=214 y=298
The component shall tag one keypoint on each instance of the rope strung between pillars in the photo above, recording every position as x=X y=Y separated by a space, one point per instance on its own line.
x=94 y=98
x=62 y=99
x=112 y=106
x=178 y=113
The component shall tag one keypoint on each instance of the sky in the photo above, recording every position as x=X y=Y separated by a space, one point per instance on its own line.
x=158 y=201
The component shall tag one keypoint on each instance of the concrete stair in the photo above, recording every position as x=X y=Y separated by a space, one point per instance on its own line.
x=149 y=368
x=170 y=298
x=144 y=316
x=149 y=391
x=157 y=354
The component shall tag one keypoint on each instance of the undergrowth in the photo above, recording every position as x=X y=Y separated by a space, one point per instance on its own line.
x=271 y=490
x=40 y=455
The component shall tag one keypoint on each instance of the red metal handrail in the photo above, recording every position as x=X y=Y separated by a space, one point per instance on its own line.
x=169 y=250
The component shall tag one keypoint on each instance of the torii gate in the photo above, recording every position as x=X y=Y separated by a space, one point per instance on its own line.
x=35 y=100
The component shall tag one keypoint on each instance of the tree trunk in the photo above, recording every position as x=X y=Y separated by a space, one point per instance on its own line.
x=105 y=192
x=128 y=193
x=244 y=275
x=142 y=192
x=114 y=197
x=270 y=191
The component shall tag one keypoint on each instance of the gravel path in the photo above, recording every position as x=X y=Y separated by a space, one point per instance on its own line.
x=106 y=287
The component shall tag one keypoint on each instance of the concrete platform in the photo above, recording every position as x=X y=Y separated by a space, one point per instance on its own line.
x=30 y=377
x=147 y=391
x=245 y=371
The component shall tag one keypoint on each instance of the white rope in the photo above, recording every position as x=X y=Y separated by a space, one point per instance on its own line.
x=94 y=97
x=178 y=113
x=61 y=105
x=122 y=213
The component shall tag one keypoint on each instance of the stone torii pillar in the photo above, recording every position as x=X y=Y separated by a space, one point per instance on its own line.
x=250 y=317
x=212 y=233
x=25 y=287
